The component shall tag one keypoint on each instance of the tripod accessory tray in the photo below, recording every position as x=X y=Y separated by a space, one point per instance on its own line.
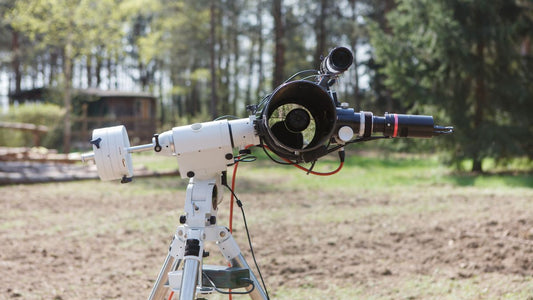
x=219 y=277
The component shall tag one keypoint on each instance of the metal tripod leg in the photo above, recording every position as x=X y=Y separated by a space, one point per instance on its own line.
x=189 y=279
x=159 y=290
x=232 y=253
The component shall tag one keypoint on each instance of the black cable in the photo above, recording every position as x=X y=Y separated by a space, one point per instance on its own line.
x=244 y=159
x=239 y=203
x=310 y=169
x=301 y=72
x=359 y=140
x=264 y=100
x=273 y=159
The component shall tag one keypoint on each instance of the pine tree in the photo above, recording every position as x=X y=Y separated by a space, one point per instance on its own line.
x=462 y=59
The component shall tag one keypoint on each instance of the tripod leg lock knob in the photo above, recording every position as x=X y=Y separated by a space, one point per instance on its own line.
x=183 y=219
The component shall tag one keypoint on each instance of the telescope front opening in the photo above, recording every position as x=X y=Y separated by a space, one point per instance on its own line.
x=292 y=125
x=297 y=120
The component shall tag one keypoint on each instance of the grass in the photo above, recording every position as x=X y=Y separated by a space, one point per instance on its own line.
x=381 y=172
x=410 y=287
x=389 y=190
x=372 y=171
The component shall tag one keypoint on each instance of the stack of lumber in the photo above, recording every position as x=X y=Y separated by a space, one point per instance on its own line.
x=16 y=172
x=36 y=154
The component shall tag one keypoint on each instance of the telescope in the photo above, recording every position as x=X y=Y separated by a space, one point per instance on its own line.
x=301 y=121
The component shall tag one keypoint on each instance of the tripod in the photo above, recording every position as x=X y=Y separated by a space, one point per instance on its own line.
x=187 y=247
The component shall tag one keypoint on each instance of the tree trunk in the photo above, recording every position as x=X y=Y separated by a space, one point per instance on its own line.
x=212 y=66
x=356 y=99
x=98 y=71
x=236 y=57
x=525 y=46
x=320 y=32
x=480 y=98
x=16 y=61
x=260 y=43
x=251 y=66
x=279 y=47
x=53 y=66
x=89 y=69
x=67 y=71
x=476 y=166
x=355 y=35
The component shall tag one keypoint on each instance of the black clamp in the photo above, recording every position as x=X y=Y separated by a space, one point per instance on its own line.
x=96 y=142
x=157 y=147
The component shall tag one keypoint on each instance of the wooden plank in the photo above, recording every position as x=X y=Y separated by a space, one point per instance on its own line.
x=24 y=127
x=24 y=172
x=39 y=154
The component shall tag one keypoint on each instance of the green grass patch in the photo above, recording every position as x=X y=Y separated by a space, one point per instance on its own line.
x=374 y=172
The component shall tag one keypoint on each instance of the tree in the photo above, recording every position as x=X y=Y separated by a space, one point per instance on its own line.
x=10 y=42
x=279 y=43
x=71 y=26
x=461 y=59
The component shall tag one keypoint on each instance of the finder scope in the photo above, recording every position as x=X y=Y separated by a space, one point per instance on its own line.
x=337 y=61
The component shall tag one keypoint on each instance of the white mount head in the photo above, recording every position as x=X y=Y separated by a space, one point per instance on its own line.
x=203 y=150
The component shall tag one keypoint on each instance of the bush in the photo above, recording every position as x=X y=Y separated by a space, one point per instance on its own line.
x=50 y=115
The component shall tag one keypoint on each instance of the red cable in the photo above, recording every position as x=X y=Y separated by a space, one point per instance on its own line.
x=318 y=173
x=233 y=189
x=312 y=172
x=233 y=177
x=231 y=207
x=171 y=295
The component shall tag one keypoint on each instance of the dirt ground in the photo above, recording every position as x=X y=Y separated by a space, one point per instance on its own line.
x=95 y=240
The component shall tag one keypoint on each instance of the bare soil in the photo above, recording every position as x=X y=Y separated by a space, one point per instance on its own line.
x=94 y=240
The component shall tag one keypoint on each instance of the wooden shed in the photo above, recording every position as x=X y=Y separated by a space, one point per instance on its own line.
x=98 y=108
x=95 y=108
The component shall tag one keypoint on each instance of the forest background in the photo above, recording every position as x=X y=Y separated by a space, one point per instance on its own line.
x=467 y=62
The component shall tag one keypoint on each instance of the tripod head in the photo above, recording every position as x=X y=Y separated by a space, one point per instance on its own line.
x=300 y=121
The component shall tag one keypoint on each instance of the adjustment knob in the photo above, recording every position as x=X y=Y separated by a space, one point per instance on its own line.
x=345 y=133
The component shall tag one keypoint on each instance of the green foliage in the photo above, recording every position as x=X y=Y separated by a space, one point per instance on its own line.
x=58 y=23
x=49 y=115
x=462 y=58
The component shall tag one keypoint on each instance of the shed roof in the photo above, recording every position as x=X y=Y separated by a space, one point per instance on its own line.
x=114 y=93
